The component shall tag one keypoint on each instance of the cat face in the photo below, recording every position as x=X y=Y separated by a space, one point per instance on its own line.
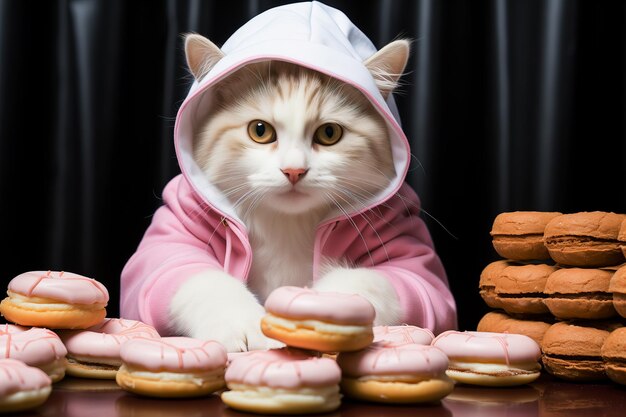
x=293 y=140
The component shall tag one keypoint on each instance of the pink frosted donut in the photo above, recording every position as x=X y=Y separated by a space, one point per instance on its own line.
x=172 y=366
x=37 y=347
x=395 y=373
x=95 y=352
x=58 y=300
x=21 y=386
x=403 y=334
x=282 y=381
x=322 y=321
x=234 y=355
x=491 y=359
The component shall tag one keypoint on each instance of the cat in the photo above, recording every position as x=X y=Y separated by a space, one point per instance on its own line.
x=293 y=164
x=289 y=147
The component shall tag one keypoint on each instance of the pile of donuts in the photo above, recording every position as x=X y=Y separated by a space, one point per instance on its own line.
x=562 y=283
x=332 y=349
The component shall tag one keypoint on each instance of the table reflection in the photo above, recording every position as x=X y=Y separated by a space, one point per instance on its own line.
x=466 y=401
x=566 y=399
x=548 y=397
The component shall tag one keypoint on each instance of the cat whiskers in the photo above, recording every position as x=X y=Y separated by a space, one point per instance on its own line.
x=354 y=225
x=367 y=219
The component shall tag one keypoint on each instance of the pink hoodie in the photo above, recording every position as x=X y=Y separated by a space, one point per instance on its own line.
x=197 y=228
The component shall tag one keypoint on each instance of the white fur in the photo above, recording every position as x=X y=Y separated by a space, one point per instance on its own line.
x=213 y=305
x=368 y=284
x=283 y=250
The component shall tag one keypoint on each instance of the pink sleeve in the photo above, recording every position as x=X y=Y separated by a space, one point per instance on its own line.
x=395 y=241
x=173 y=249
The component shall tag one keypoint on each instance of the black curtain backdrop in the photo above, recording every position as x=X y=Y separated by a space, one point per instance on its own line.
x=509 y=105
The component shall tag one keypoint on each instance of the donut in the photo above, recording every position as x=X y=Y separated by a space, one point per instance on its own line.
x=171 y=366
x=36 y=347
x=519 y=235
x=322 y=321
x=490 y=359
x=390 y=372
x=617 y=287
x=403 y=334
x=613 y=353
x=519 y=288
x=95 y=351
x=282 y=381
x=579 y=293
x=22 y=387
x=487 y=283
x=573 y=350
x=587 y=239
x=56 y=300
x=499 y=322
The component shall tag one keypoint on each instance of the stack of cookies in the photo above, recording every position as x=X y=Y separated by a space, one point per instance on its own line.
x=560 y=284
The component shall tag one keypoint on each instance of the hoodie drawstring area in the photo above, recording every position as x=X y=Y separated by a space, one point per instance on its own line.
x=229 y=245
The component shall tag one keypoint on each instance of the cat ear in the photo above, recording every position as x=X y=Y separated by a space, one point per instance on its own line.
x=388 y=64
x=202 y=54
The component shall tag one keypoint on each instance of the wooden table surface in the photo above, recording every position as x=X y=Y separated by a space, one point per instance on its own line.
x=547 y=397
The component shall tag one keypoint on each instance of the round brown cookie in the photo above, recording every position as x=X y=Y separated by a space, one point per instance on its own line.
x=580 y=293
x=614 y=355
x=587 y=239
x=617 y=287
x=519 y=235
x=487 y=283
x=498 y=322
x=572 y=350
x=621 y=237
x=519 y=288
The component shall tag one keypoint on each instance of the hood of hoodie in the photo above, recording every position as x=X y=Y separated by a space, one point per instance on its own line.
x=308 y=34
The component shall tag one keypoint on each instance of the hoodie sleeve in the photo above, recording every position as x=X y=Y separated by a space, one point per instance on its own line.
x=394 y=241
x=173 y=249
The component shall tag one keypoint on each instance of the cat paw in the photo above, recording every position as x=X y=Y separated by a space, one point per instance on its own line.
x=215 y=306
x=238 y=331
x=369 y=284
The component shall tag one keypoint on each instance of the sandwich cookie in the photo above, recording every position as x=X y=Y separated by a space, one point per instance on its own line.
x=520 y=289
x=572 y=350
x=586 y=239
x=390 y=372
x=55 y=300
x=282 y=381
x=36 y=347
x=322 y=321
x=499 y=322
x=403 y=334
x=614 y=356
x=490 y=359
x=519 y=235
x=171 y=366
x=22 y=387
x=95 y=351
x=617 y=287
x=579 y=293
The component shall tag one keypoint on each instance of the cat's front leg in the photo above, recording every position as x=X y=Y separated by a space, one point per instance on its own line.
x=366 y=283
x=213 y=305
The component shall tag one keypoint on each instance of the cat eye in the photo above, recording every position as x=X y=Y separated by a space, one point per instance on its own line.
x=261 y=132
x=328 y=134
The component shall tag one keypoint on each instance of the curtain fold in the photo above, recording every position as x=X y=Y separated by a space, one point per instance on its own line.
x=509 y=105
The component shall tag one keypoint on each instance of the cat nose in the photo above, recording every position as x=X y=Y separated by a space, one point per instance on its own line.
x=294 y=174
